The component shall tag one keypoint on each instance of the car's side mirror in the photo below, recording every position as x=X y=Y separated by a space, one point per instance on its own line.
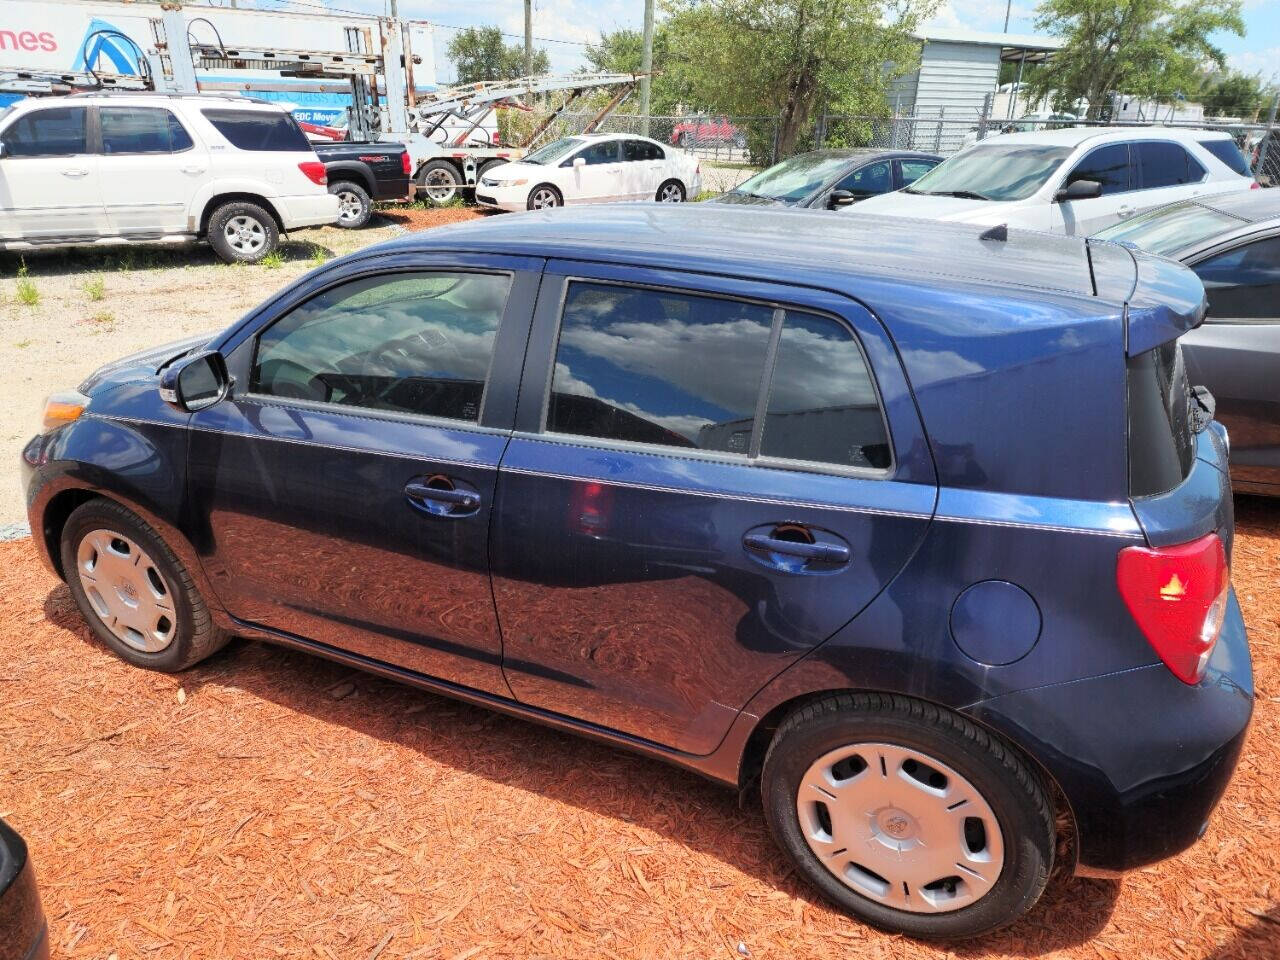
x=579 y=161
x=196 y=382
x=840 y=198
x=1079 y=190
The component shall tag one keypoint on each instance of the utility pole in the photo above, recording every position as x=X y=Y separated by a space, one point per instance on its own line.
x=1008 y=8
x=646 y=65
x=396 y=13
x=528 y=46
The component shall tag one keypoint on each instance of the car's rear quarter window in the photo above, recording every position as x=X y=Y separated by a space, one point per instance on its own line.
x=1228 y=153
x=259 y=130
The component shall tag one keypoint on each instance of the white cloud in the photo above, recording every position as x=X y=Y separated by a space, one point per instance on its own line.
x=1265 y=62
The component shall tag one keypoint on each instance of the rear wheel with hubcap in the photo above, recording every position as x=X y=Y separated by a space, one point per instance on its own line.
x=440 y=182
x=354 y=205
x=134 y=592
x=241 y=232
x=907 y=815
x=672 y=191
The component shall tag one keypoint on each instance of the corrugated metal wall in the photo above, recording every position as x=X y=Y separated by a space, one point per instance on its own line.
x=953 y=82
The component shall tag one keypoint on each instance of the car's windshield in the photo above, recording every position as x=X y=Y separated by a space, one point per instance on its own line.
x=793 y=179
x=553 y=151
x=993 y=172
x=1171 y=228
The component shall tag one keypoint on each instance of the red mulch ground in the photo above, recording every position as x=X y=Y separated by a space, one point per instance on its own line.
x=419 y=218
x=271 y=804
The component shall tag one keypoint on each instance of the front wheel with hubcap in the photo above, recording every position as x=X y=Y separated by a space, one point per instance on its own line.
x=671 y=192
x=241 y=232
x=354 y=205
x=907 y=815
x=543 y=196
x=136 y=595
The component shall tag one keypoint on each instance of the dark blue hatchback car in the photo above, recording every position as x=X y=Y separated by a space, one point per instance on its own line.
x=922 y=532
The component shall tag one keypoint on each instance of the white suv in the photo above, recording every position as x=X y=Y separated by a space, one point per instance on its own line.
x=1075 y=181
x=123 y=168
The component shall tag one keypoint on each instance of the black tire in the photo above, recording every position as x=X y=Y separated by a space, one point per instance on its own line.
x=259 y=221
x=671 y=191
x=196 y=635
x=544 y=196
x=685 y=140
x=1009 y=786
x=356 y=207
x=444 y=178
x=487 y=166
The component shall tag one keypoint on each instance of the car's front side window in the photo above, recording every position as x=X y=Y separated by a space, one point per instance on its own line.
x=597 y=153
x=868 y=181
x=1107 y=165
x=682 y=369
x=48 y=132
x=141 y=130
x=1244 y=283
x=416 y=343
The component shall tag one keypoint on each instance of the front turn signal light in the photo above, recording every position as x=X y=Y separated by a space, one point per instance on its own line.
x=62 y=408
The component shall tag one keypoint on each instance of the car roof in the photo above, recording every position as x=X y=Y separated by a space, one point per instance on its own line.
x=1251 y=206
x=155 y=98
x=808 y=247
x=855 y=153
x=1075 y=136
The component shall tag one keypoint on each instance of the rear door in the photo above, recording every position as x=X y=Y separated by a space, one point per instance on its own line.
x=151 y=169
x=1167 y=172
x=706 y=481
x=643 y=169
x=1236 y=354
x=49 y=183
x=343 y=492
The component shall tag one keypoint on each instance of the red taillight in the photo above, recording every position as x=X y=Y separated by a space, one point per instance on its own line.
x=404 y=163
x=314 y=170
x=1178 y=596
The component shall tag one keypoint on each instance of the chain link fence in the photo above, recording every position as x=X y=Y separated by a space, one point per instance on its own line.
x=734 y=148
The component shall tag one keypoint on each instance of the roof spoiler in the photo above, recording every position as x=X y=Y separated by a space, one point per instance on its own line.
x=1162 y=298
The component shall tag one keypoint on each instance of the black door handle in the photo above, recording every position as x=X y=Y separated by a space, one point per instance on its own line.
x=824 y=552
x=454 y=498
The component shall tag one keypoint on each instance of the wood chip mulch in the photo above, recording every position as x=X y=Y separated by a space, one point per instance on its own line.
x=270 y=804
x=419 y=218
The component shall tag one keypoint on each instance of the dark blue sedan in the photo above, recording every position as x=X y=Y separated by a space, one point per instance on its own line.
x=917 y=530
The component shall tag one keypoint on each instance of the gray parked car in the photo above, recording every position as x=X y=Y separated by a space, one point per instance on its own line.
x=1232 y=242
x=827 y=179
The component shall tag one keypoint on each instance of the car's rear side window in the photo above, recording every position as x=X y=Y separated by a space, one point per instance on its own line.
x=679 y=369
x=259 y=130
x=48 y=132
x=1228 y=153
x=141 y=130
x=1165 y=164
x=1162 y=441
x=405 y=342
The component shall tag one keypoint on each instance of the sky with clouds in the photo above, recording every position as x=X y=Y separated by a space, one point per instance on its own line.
x=574 y=22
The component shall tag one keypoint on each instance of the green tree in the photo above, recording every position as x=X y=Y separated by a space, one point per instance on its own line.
x=622 y=52
x=791 y=58
x=480 y=53
x=1149 y=48
x=1233 y=94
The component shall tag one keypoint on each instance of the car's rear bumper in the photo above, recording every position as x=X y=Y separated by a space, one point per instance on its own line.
x=306 y=210
x=23 y=933
x=1141 y=757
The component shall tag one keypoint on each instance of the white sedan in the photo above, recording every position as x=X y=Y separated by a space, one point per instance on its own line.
x=592 y=168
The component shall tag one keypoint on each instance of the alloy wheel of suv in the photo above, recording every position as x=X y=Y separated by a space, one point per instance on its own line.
x=242 y=232
x=907 y=815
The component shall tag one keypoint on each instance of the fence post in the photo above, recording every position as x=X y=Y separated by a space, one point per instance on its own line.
x=987 y=104
x=937 y=139
x=1266 y=138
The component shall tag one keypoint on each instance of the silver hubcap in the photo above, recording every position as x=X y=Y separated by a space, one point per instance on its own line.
x=901 y=828
x=245 y=234
x=440 y=185
x=126 y=590
x=544 y=198
x=349 y=206
x=670 y=194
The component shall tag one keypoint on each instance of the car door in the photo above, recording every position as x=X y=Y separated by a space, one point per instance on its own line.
x=658 y=554
x=599 y=177
x=1111 y=166
x=343 y=492
x=1236 y=354
x=151 y=167
x=1166 y=173
x=642 y=170
x=49 y=183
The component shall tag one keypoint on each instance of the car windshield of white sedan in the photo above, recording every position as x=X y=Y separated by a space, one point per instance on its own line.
x=1171 y=228
x=793 y=179
x=553 y=151
x=994 y=172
